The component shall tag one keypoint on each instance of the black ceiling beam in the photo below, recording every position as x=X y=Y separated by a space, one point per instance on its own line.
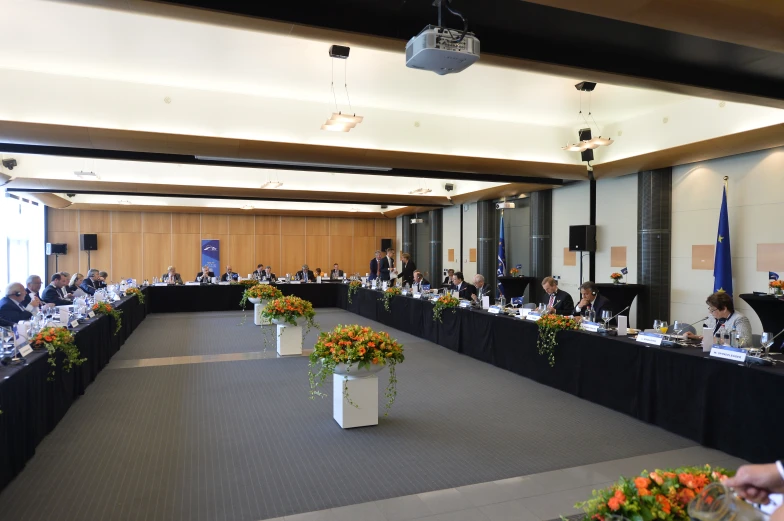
x=154 y=157
x=519 y=29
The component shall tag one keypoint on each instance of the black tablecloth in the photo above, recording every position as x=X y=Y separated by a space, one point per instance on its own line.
x=32 y=406
x=718 y=404
x=621 y=295
x=515 y=286
x=770 y=311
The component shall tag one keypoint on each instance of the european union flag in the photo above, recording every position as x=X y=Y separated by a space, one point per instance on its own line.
x=772 y=275
x=722 y=265
x=501 y=256
x=625 y=271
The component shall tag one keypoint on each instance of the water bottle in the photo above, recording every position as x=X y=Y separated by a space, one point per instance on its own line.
x=733 y=336
x=591 y=315
x=503 y=301
x=717 y=337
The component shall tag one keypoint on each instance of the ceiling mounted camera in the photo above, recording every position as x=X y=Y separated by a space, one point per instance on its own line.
x=9 y=163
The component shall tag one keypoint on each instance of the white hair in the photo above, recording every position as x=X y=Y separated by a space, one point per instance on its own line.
x=13 y=288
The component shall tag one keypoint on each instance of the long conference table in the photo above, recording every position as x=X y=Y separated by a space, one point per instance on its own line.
x=718 y=404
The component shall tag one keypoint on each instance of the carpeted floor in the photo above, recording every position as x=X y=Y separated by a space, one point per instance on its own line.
x=242 y=441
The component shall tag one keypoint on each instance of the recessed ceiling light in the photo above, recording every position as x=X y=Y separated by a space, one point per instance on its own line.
x=124 y=202
x=272 y=184
x=82 y=174
x=247 y=207
x=353 y=209
x=420 y=191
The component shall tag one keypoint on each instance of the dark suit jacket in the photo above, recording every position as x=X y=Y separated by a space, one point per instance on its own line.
x=52 y=296
x=447 y=283
x=225 y=277
x=100 y=284
x=466 y=290
x=332 y=274
x=484 y=292
x=373 y=268
x=88 y=286
x=385 y=267
x=407 y=272
x=201 y=274
x=599 y=304
x=311 y=277
x=270 y=277
x=564 y=305
x=28 y=298
x=11 y=313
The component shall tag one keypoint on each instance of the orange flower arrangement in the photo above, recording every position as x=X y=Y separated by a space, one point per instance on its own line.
x=663 y=495
x=55 y=339
x=777 y=284
x=104 y=308
x=389 y=293
x=261 y=291
x=549 y=326
x=444 y=302
x=289 y=309
x=354 y=345
x=248 y=283
x=616 y=276
x=353 y=287
x=513 y=272
x=137 y=292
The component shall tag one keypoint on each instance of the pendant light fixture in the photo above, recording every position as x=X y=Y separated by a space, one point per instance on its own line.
x=586 y=142
x=339 y=121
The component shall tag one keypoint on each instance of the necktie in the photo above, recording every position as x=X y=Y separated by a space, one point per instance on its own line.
x=552 y=301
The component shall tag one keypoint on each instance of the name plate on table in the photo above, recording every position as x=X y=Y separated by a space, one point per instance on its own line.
x=74 y=323
x=91 y=314
x=295 y=282
x=224 y=283
x=161 y=284
x=404 y=292
x=591 y=327
x=533 y=317
x=117 y=298
x=417 y=295
x=25 y=349
x=464 y=304
x=494 y=310
x=653 y=339
x=733 y=354
x=193 y=283
x=264 y=282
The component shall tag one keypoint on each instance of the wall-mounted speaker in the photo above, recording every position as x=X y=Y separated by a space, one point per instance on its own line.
x=582 y=238
x=386 y=243
x=56 y=249
x=88 y=242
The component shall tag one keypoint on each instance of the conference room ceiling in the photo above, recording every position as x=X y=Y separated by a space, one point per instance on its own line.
x=202 y=88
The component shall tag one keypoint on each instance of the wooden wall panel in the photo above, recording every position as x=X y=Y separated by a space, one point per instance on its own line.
x=224 y=248
x=213 y=224
x=63 y=220
x=242 y=225
x=341 y=226
x=242 y=252
x=292 y=226
x=126 y=222
x=267 y=225
x=317 y=225
x=186 y=223
x=69 y=262
x=101 y=259
x=156 y=254
x=186 y=254
x=94 y=221
x=268 y=251
x=156 y=222
x=341 y=250
x=126 y=258
x=770 y=257
x=569 y=258
x=702 y=256
x=385 y=228
x=364 y=228
x=363 y=250
x=618 y=256
x=292 y=253
x=317 y=253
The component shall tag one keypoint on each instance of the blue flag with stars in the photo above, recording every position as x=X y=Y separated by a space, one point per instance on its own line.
x=501 y=257
x=722 y=264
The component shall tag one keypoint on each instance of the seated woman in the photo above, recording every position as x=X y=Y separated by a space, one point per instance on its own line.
x=317 y=273
x=76 y=281
x=723 y=315
x=171 y=276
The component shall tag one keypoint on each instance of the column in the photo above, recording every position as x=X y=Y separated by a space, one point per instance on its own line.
x=487 y=242
x=409 y=236
x=654 y=224
x=434 y=268
x=541 y=241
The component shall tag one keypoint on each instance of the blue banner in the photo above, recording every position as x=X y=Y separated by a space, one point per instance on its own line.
x=772 y=275
x=210 y=254
x=501 y=256
x=722 y=266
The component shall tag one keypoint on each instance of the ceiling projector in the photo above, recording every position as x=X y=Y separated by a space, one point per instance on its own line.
x=442 y=50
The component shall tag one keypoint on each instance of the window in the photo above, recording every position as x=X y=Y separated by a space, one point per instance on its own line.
x=22 y=249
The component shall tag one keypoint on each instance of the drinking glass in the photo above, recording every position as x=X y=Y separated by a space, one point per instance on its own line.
x=766 y=340
x=606 y=317
x=677 y=327
x=718 y=503
x=664 y=327
x=657 y=325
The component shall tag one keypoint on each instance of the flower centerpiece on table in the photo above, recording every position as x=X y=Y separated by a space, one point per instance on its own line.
x=260 y=291
x=662 y=495
x=514 y=272
x=356 y=348
x=353 y=287
x=104 y=308
x=247 y=282
x=389 y=293
x=549 y=326
x=616 y=277
x=289 y=310
x=55 y=339
x=137 y=292
x=777 y=285
x=444 y=302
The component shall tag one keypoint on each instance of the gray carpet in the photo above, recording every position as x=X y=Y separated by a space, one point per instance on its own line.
x=242 y=441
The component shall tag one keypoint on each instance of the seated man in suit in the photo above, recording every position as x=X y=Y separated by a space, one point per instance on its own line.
x=12 y=310
x=419 y=281
x=91 y=282
x=104 y=277
x=463 y=288
x=34 y=284
x=336 y=272
x=448 y=279
x=52 y=292
x=482 y=290
x=407 y=269
x=64 y=293
x=375 y=266
x=267 y=274
x=229 y=275
x=557 y=301
x=387 y=267
x=205 y=275
x=591 y=300
x=171 y=276
x=305 y=275
x=259 y=272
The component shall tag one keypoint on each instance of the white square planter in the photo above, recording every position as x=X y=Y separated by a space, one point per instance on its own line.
x=364 y=393
x=289 y=340
x=258 y=319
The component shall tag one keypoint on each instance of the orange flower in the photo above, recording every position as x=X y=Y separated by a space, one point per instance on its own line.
x=655 y=477
x=641 y=482
x=664 y=502
x=617 y=500
x=361 y=351
x=685 y=495
x=375 y=360
x=669 y=475
x=643 y=492
x=686 y=480
x=371 y=344
x=49 y=339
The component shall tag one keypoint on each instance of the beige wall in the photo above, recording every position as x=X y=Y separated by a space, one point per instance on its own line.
x=142 y=245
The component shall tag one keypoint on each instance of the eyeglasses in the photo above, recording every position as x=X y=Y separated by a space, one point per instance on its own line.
x=711 y=310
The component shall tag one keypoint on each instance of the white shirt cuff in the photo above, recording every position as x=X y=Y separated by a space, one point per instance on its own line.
x=781 y=469
x=577 y=308
x=29 y=308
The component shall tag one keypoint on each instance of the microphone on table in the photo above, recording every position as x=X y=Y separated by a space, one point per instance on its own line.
x=621 y=311
x=703 y=319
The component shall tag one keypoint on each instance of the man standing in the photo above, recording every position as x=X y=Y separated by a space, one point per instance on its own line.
x=481 y=290
x=464 y=289
x=591 y=300
x=52 y=292
x=337 y=273
x=375 y=266
x=91 y=282
x=387 y=267
x=12 y=310
x=229 y=275
x=557 y=301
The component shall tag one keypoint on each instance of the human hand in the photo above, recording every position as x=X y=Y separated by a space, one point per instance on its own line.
x=689 y=334
x=550 y=310
x=584 y=302
x=756 y=482
x=35 y=302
